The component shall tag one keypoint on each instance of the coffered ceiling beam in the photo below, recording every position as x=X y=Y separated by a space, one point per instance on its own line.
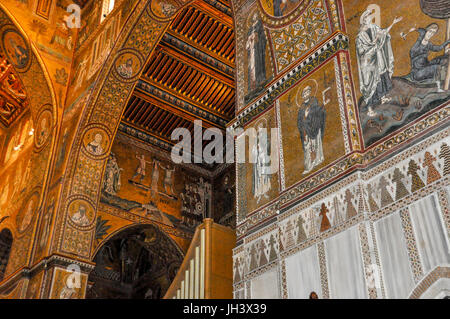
x=179 y=111
x=214 y=13
x=172 y=96
x=196 y=65
x=200 y=47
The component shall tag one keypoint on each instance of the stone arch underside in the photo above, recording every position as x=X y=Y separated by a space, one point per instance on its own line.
x=42 y=104
x=135 y=262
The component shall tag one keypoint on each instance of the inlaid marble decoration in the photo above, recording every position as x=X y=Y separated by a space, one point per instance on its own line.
x=303 y=274
x=266 y=286
x=392 y=243
x=430 y=233
x=345 y=266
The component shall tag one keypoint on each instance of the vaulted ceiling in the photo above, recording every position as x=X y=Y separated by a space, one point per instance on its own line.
x=189 y=76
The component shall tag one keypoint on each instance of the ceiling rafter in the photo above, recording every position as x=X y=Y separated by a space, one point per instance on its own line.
x=189 y=76
x=155 y=101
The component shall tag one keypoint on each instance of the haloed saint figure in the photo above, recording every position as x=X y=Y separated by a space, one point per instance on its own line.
x=256 y=54
x=261 y=165
x=311 y=125
x=375 y=61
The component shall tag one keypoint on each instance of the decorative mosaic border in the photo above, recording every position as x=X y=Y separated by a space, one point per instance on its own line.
x=413 y=252
x=281 y=151
x=341 y=105
x=445 y=208
x=365 y=253
x=137 y=219
x=277 y=22
x=323 y=270
x=432 y=277
x=284 y=290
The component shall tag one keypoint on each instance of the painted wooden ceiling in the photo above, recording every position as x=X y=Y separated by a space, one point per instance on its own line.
x=189 y=76
x=13 y=99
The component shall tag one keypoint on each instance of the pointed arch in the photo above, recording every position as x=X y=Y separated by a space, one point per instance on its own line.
x=102 y=114
x=137 y=261
x=42 y=103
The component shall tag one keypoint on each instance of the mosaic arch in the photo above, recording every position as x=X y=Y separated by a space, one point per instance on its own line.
x=153 y=260
x=24 y=58
x=123 y=229
x=141 y=33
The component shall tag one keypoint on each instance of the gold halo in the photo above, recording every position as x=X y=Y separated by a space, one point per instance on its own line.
x=314 y=88
x=260 y=121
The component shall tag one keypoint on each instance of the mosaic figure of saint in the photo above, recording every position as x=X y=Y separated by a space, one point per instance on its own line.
x=155 y=177
x=80 y=218
x=27 y=217
x=228 y=195
x=261 y=167
x=67 y=293
x=375 y=61
x=46 y=226
x=20 y=53
x=185 y=203
x=256 y=54
x=126 y=69
x=44 y=131
x=311 y=125
x=112 y=182
x=95 y=146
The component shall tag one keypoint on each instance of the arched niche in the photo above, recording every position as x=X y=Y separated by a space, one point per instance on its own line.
x=138 y=262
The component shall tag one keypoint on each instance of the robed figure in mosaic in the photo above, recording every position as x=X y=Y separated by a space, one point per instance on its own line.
x=423 y=69
x=311 y=125
x=112 y=183
x=278 y=6
x=375 y=61
x=261 y=165
x=256 y=54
